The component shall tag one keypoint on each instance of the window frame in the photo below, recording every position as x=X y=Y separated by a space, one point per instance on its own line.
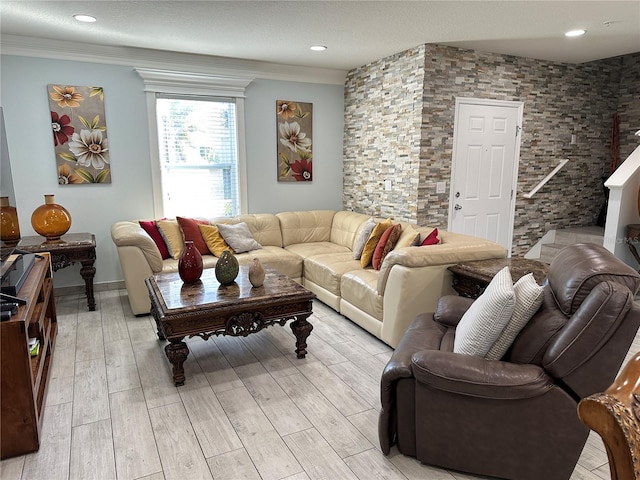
x=193 y=85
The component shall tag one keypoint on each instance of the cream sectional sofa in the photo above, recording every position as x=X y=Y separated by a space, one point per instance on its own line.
x=315 y=248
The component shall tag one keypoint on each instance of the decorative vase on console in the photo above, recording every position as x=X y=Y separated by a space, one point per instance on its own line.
x=9 y=226
x=190 y=263
x=256 y=273
x=227 y=268
x=51 y=220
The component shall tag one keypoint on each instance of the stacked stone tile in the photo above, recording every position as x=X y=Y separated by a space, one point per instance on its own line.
x=399 y=116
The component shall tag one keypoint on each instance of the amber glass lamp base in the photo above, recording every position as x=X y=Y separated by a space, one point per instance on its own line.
x=51 y=220
x=9 y=226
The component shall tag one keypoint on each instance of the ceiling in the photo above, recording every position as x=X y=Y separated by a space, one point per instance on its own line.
x=355 y=32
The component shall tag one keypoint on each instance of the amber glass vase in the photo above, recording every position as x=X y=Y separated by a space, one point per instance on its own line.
x=190 y=263
x=9 y=226
x=51 y=220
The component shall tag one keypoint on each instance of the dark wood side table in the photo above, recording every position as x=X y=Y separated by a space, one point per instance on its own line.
x=71 y=248
x=471 y=278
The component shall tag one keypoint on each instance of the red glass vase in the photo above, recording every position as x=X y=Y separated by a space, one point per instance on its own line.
x=190 y=263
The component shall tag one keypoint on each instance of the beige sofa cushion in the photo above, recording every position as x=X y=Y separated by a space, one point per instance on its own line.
x=346 y=226
x=265 y=227
x=283 y=261
x=326 y=269
x=454 y=248
x=305 y=250
x=358 y=287
x=305 y=227
x=131 y=234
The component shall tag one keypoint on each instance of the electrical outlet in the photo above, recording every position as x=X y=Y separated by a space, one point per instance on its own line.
x=441 y=187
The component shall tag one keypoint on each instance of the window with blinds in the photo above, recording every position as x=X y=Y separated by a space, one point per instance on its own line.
x=198 y=151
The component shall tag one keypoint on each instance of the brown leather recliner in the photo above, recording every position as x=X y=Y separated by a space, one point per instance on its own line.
x=515 y=418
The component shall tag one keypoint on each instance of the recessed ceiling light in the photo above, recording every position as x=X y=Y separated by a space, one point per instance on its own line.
x=575 y=33
x=318 y=48
x=85 y=18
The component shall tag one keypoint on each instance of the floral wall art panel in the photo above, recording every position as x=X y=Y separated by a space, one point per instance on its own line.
x=294 y=120
x=79 y=134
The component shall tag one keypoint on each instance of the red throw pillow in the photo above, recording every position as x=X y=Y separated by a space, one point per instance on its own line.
x=386 y=243
x=192 y=232
x=151 y=228
x=432 y=238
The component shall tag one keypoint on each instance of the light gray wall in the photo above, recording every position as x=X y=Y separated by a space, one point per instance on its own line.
x=325 y=191
x=94 y=208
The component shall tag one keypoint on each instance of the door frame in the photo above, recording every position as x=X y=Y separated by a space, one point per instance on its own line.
x=514 y=181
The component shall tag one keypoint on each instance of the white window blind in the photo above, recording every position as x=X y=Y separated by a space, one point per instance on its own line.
x=198 y=152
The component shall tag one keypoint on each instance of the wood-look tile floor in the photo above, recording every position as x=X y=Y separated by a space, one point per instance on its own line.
x=249 y=408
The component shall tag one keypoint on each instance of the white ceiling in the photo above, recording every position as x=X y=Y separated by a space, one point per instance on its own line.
x=355 y=32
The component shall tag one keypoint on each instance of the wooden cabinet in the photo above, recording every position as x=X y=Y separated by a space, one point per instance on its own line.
x=23 y=379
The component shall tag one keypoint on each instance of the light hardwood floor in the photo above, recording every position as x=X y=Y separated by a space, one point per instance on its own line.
x=249 y=408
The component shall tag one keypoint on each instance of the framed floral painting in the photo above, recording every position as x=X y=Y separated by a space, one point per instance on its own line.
x=295 y=159
x=79 y=134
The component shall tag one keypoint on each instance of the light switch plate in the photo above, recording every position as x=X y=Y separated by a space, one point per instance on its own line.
x=441 y=187
x=387 y=184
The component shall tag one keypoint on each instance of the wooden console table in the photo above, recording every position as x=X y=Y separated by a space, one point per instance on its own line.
x=471 y=278
x=71 y=248
x=23 y=378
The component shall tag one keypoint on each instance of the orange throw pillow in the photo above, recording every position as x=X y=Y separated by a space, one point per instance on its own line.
x=386 y=243
x=191 y=231
x=372 y=242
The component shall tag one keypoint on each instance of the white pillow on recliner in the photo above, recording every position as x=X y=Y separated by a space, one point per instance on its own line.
x=528 y=300
x=482 y=324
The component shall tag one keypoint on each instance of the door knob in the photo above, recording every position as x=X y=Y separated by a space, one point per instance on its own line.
x=457 y=207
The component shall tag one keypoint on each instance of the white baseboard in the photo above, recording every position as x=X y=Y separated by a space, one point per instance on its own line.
x=98 y=287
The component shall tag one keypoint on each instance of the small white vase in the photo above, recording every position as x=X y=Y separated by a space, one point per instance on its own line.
x=256 y=273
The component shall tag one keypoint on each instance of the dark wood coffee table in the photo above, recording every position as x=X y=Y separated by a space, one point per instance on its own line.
x=206 y=308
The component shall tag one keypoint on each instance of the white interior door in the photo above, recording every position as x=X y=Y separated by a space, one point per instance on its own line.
x=485 y=168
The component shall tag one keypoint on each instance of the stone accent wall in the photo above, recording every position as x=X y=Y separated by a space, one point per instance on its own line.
x=383 y=107
x=559 y=100
x=629 y=104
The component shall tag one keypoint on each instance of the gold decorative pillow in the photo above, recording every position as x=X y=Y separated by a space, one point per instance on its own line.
x=372 y=242
x=172 y=234
x=407 y=236
x=213 y=239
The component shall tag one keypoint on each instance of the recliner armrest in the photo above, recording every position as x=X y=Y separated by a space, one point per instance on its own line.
x=474 y=376
x=450 y=309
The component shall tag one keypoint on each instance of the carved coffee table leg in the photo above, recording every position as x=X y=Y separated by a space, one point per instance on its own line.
x=177 y=352
x=301 y=329
x=88 y=271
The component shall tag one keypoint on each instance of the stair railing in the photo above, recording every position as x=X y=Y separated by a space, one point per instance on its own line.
x=546 y=179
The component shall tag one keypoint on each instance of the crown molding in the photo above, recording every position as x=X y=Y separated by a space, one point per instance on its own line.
x=170 y=81
x=160 y=59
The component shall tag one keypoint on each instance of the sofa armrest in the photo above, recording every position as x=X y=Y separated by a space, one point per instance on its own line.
x=476 y=377
x=131 y=234
x=450 y=309
x=455 y=248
